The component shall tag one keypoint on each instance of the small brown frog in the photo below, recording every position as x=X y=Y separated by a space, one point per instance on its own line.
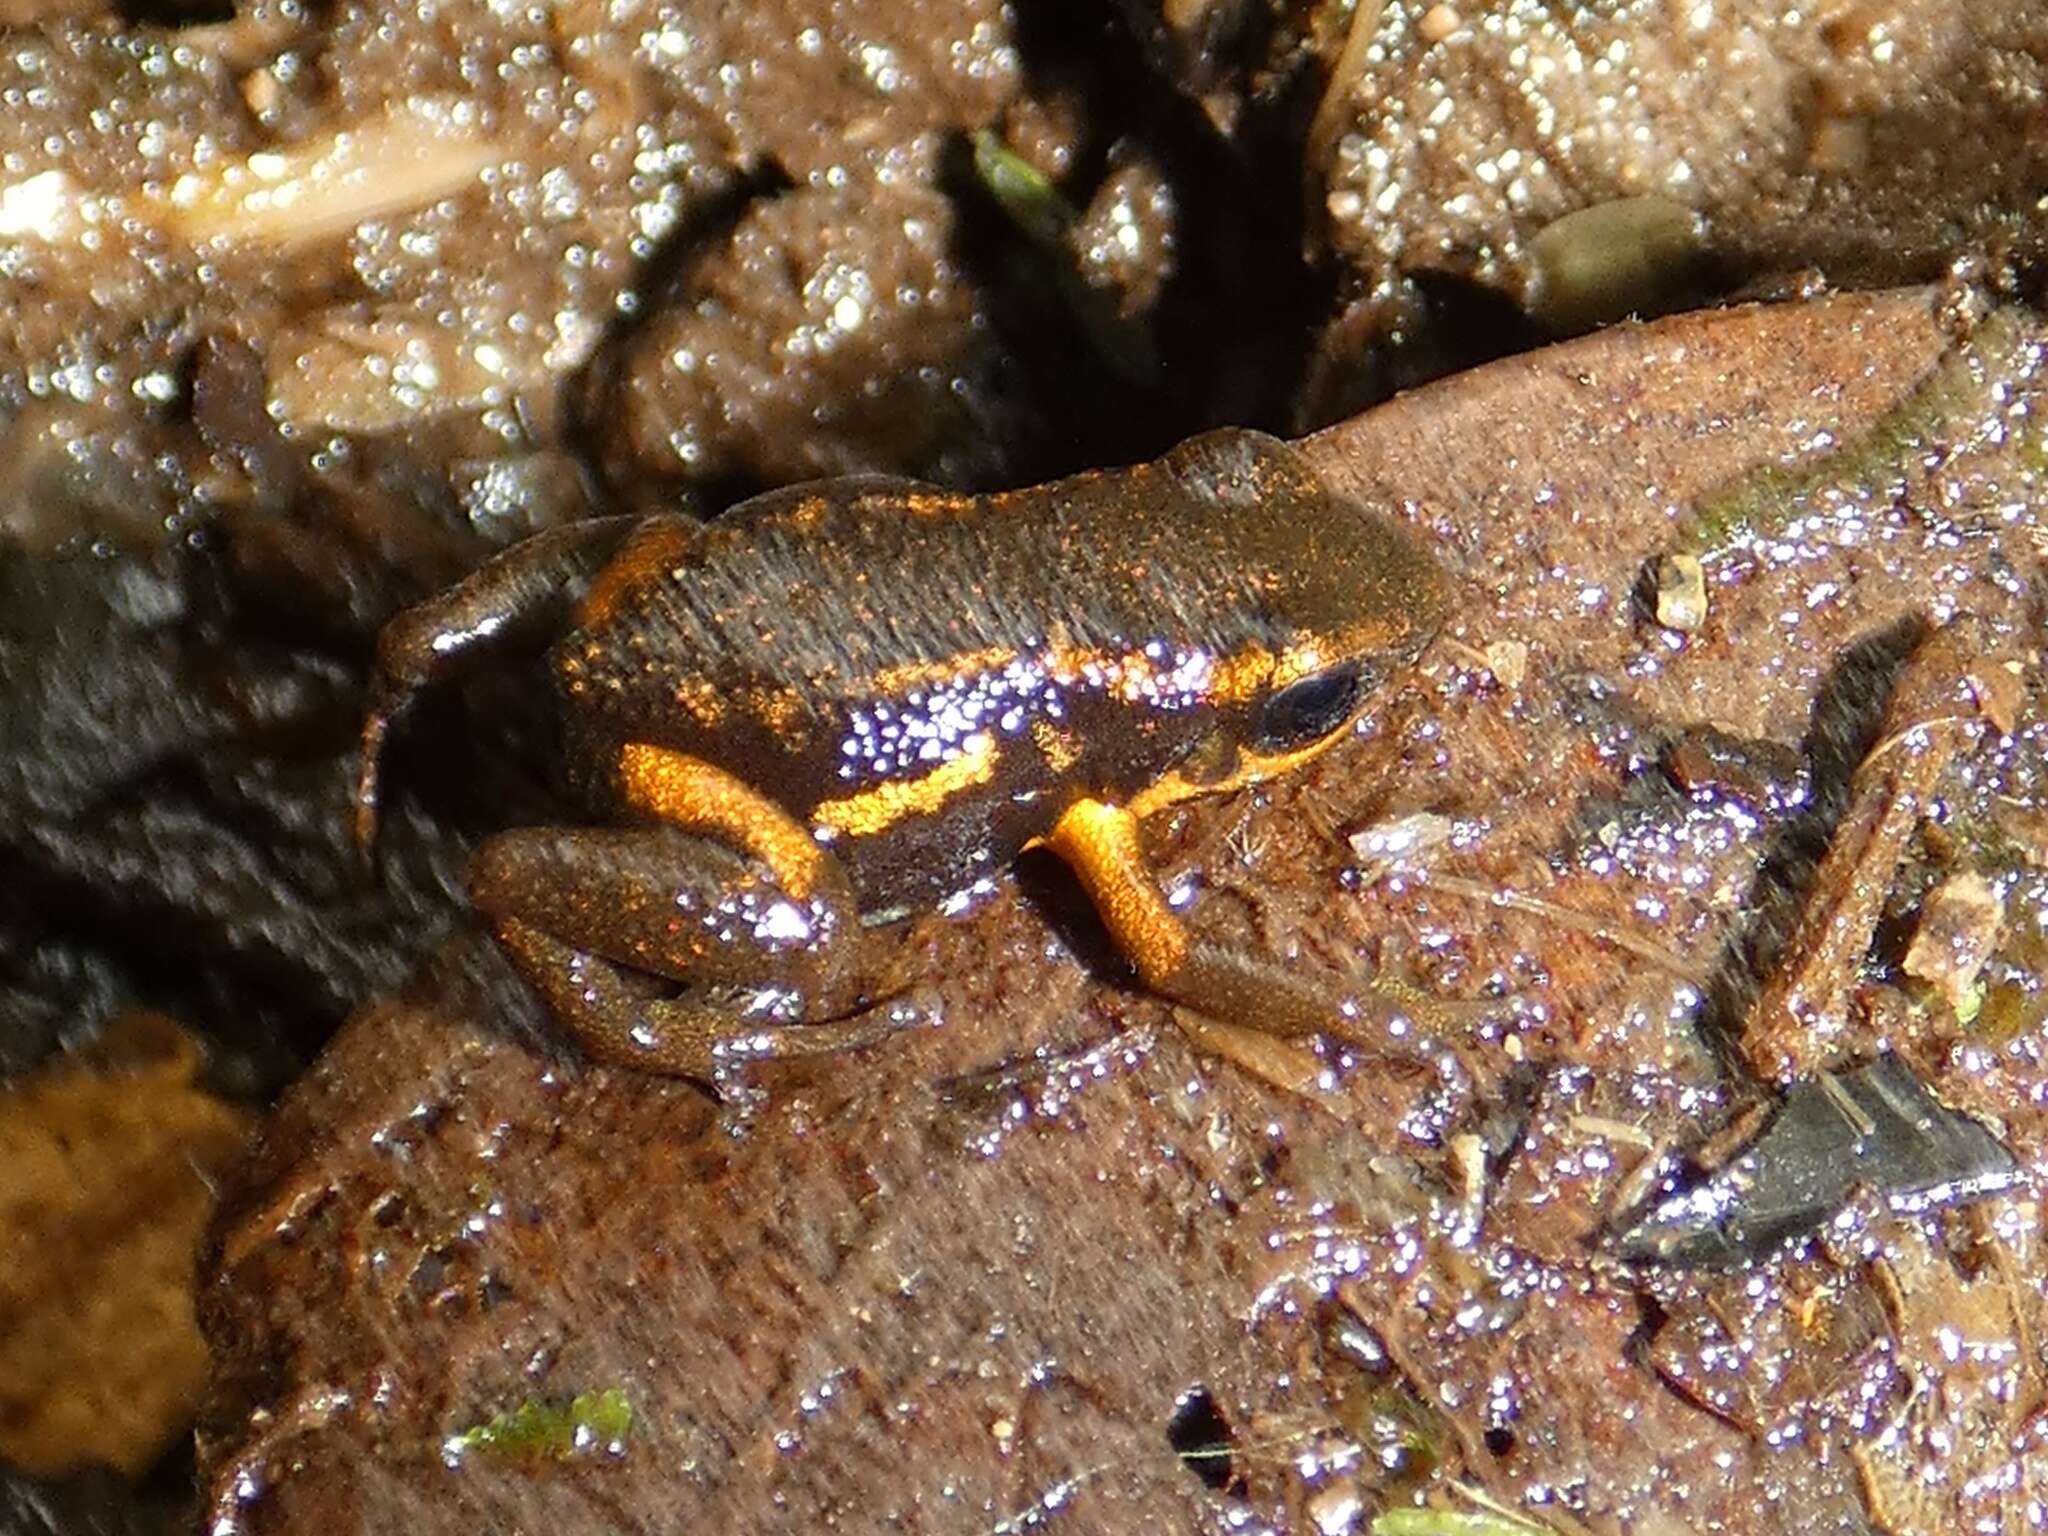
x=841 y=703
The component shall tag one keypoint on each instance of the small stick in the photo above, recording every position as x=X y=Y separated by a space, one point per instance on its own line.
x=1951 y=688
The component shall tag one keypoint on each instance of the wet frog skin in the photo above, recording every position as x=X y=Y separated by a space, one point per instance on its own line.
x=840 y=703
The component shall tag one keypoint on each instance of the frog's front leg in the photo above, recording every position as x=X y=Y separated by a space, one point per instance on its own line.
x=581 y=911
x=1102 y=844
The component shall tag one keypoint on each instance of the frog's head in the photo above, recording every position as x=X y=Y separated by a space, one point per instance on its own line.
x=1342 y=596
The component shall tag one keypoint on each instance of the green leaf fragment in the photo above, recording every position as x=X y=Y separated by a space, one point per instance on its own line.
x=1445 y=1522
x=535 y=1431
x=1970 y=1004
x=1033 y=203
x=1035 y=207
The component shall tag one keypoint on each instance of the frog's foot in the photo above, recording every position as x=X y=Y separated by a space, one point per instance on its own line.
x=1377 y=1014
x=586 y=913
x=699 y=1036
x=1101 y=843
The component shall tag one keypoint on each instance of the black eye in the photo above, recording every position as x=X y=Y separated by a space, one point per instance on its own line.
x=1309 y=709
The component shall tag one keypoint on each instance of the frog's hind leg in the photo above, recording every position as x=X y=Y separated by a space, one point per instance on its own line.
x=526 y=593
x=696 y=1037
x=579 y=911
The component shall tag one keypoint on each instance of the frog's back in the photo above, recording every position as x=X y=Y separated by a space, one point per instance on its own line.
x=827 y=593
x=802 y=605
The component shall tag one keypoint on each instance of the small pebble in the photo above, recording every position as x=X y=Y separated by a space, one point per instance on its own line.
x=1960 y=923
x=1681 y=593
x=1400 y=837
x=1438 y=23
x=261 y=92
x=1335 y=1511
x=1508 y=661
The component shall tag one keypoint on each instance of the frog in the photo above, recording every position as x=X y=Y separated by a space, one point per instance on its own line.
x=837 y=705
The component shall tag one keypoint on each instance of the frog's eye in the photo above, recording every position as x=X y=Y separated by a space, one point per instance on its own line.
x=1308 y=709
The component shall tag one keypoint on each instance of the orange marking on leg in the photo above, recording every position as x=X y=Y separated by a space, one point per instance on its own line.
x=692 y=794
x=1101 y=843
x=1250 y=768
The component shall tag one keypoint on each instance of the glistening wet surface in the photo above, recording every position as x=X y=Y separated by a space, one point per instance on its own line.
x=1048 y=1264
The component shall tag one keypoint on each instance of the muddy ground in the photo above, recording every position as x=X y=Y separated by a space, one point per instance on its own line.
x=311 y=309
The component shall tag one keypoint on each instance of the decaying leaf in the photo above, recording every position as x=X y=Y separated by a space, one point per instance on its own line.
x=106 y=1187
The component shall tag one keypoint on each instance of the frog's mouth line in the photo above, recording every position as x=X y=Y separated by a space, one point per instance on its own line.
x=1219 y=770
